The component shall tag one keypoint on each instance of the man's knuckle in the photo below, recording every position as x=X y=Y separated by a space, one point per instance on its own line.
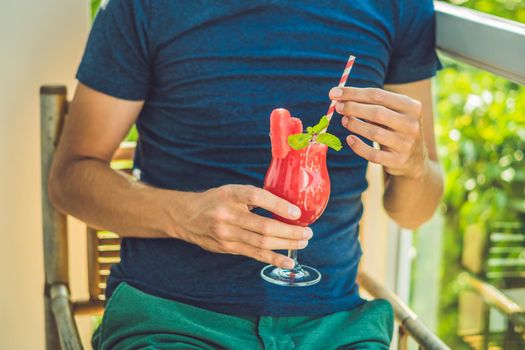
x=262 y=242
x=297 y=233
x=224 y=192
x=221 y=215
x=295 y=245
x=274 y=259
x=260 y=254
x=253 y=195
x=351 y=108
x=377 y=134
x=261 y=226
x=219 y=229
x=417 y=107
x=377 y=95
x=380 y=114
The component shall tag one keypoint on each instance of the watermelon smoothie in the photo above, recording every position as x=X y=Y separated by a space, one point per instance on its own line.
x=300 y=177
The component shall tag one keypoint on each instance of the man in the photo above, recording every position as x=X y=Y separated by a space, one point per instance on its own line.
x=199 y=79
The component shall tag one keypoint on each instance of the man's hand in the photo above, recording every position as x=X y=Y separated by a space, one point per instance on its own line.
x=401 y=121
x=392 y=120
x=220 y=220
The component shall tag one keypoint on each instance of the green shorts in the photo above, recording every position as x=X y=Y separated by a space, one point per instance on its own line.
x=136 y=320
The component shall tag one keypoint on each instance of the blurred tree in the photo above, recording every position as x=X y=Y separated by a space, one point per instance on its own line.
x=481 y=136
x=511 y=9
x=95 y=4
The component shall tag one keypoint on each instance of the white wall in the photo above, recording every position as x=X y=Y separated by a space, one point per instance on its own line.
x=375 y=235
x=40 y=42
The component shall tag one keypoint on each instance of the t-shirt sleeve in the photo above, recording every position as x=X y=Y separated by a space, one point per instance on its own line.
x=117 y=58
x=413 y=54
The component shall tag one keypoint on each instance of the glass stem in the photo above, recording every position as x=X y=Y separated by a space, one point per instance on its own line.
x=292 y=254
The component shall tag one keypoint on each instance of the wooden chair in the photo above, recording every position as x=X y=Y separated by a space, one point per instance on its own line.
x=104 y=247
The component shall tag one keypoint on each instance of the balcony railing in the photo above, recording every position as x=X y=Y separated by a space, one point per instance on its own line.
x=488 y=42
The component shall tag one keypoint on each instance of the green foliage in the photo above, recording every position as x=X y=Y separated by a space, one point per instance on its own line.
x=481 y=136
x=511 y=9
x=133 y=134
x=95 y=4
x=481 y=133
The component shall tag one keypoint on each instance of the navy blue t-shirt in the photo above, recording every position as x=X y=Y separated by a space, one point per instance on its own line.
x=210 y=73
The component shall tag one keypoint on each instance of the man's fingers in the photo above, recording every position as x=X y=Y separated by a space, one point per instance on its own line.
x=375 y=114
x=262 y=255
x=379 y=134
x=273 y=228
x=370 y=153
x=257 y=197
x=375 y=96
x=256 y=240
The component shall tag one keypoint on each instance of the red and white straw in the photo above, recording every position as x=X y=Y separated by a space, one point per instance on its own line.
x=342 y=83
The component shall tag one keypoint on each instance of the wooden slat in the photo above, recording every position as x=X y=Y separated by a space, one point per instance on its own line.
x=91 y=307
x=108 y=261
x=110 y=254
x=110 y=248
x=93 y=264
x=126 y=151
x=103 y=272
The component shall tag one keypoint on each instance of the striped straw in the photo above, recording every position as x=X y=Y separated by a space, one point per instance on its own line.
x=342 y=83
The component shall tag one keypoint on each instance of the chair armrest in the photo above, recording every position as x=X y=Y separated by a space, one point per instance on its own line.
x=404 y=315
x=67 y=328
x=495 y=298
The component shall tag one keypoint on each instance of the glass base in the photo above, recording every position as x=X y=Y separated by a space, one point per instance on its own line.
x=299 y=276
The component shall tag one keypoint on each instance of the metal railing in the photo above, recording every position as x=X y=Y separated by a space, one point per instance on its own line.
x=488 y=42
x=409 y=324
x=495 y=298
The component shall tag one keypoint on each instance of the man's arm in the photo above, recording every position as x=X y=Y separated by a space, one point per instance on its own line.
x=81 y=180
x=401 y=122
x=83 y=184
x=412 y=201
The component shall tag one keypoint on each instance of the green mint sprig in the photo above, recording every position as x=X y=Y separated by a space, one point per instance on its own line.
x=313 y=134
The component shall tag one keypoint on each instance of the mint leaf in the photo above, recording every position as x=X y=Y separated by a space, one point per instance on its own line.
x=310 y=130
x=298 y=141
x=323 y=124
x=330 y=140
